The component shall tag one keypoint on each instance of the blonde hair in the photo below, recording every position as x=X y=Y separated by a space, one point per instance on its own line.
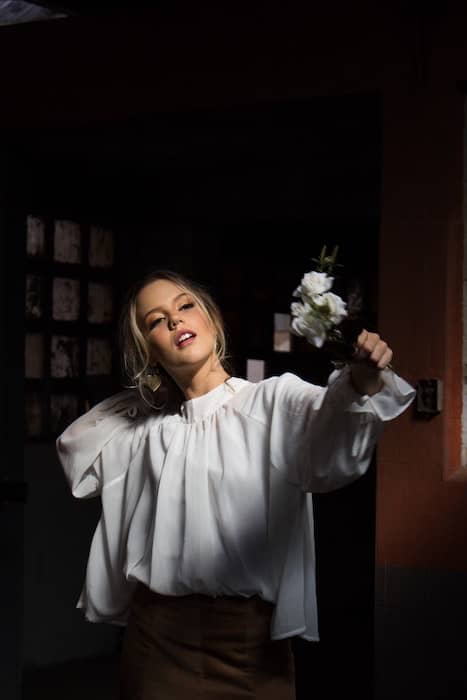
x=134 y=348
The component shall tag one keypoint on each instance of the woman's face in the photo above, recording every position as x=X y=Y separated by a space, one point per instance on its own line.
x=179 y=334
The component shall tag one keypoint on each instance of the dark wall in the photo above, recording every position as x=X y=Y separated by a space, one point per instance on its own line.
x=12 y=484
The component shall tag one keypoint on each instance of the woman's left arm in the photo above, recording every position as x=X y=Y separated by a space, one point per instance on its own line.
x=323 y=437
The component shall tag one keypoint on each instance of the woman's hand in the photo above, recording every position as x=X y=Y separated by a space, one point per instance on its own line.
x=371 y=357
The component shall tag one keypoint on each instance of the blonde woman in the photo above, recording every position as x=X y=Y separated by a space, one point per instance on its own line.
x=205 y=548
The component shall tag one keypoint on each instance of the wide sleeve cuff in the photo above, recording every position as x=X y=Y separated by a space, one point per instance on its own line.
x=394 y=397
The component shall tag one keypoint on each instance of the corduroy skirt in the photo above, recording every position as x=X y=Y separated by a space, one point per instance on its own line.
x=200 y=648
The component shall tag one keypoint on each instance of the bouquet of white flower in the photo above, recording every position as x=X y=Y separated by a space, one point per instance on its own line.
x=319 y=312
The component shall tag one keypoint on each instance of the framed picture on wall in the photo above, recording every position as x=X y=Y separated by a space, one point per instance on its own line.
x=69 y=317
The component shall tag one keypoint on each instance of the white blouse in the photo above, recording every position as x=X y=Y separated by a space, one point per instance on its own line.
x=216 y=498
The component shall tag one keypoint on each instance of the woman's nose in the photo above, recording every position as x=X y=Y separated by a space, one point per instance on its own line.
x=173 y=323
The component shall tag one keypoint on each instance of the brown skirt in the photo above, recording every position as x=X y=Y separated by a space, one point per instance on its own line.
x=200 y=648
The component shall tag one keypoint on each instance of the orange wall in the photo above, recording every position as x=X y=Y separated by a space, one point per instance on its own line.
x=421 y=508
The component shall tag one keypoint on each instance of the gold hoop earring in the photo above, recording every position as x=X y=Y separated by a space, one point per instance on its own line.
x=152 y=379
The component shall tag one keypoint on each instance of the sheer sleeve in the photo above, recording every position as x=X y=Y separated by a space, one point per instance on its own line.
x=79 y=447
x=324 y=437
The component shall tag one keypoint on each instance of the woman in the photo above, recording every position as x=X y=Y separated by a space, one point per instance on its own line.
x=205 y=547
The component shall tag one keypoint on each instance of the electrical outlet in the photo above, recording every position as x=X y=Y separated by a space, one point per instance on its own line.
x=429 y=396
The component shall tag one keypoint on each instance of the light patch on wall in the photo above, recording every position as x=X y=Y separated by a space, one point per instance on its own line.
x=34 y=356
x=35 y=236
x=255 y=370
x=99 y=357
x=64 y=356
x=34 y=297
x=101 y=247
x=282 y=341
x=65 y=299
x=67 y=242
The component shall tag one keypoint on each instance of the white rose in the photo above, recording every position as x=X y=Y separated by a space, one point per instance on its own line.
x=313 y=284
x=333 y=306
x=305 y=323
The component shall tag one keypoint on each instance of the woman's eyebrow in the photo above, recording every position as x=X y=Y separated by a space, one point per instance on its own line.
x=158 y=308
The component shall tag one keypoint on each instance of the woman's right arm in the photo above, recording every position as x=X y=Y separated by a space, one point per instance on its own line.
x=80 y=446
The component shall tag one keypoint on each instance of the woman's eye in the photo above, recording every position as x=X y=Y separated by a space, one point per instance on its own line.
x=154 y=322
x=188 y=305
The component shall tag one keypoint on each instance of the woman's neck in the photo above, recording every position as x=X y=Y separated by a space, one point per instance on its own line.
x=202 y=382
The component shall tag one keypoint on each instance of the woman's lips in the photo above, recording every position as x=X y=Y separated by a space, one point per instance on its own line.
x=184 y=338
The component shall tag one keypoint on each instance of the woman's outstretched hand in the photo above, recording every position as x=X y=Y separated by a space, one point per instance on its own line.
x=372 y=356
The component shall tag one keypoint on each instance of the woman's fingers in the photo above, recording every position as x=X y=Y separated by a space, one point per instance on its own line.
x=373 y=349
